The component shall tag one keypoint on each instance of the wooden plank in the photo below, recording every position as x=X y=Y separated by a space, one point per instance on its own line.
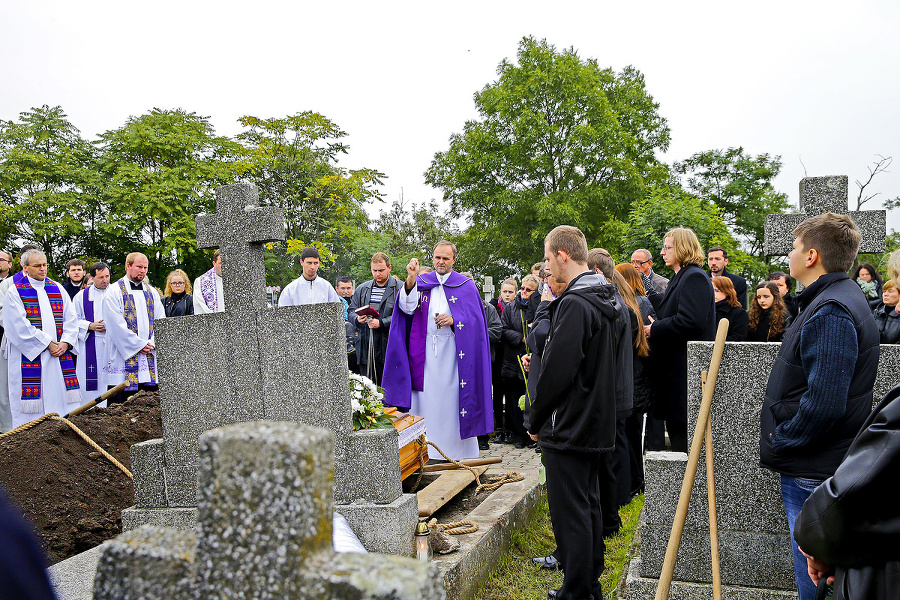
x=440 y=491
x=469 y=462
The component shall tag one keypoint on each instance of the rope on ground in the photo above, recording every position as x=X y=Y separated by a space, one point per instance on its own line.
x=457 y=528
x=84 y=436
x=493 y=482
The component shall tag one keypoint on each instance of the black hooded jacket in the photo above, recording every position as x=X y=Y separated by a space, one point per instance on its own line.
x=574 y=407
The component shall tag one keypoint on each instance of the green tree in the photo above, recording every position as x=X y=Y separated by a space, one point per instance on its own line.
x=559 y=140
x=740 y=185
x=160 y=171
x=669 y=207
x=48 y=186
x=293 y=160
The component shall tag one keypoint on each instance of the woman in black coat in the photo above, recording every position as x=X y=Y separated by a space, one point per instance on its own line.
x=869 y=281
x=177 y=299
x=769 y=317
x=729 y=307
x=516 y=319
x=886 y=316
x=687 y=313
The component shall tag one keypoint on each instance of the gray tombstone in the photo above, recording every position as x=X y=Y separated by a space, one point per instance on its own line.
x=263 y=531
x=254 y=362
x=819 y=195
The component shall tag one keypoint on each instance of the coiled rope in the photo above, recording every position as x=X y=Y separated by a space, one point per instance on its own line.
x=92 y=443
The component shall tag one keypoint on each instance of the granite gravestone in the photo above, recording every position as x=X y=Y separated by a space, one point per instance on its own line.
x=263 y=531
x=753 y=535
x=820 y=195
x=253 y=362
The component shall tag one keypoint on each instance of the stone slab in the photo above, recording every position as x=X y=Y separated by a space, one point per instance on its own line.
x=641 y=588
x=384 y=528
x=148 y=464
x=373 y=458
x=184 y=519
x=73 y=578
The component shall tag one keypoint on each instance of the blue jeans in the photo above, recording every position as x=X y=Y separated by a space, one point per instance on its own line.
x=794 y=492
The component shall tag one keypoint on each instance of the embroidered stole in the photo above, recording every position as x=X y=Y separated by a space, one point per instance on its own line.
x=90 y=345
x=131 y=365
x=31 y=370
x=207 y=283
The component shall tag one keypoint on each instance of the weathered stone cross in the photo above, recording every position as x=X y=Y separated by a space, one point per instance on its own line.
x=239 y=228
x=819 y=195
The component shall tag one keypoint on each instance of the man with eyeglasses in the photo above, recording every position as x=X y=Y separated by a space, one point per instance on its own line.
x=5 y=264
x=642 y=260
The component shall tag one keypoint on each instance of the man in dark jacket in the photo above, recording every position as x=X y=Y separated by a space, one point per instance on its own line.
x=820 y=388
x=573 y=413
x=380 y=293
x=784 y=283
x=717 y=259
x=74 y=276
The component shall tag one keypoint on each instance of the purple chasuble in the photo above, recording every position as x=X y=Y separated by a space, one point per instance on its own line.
x=90 y=344
x=404 y=365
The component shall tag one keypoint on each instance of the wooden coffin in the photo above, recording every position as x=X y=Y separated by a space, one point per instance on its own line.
x=413 y=449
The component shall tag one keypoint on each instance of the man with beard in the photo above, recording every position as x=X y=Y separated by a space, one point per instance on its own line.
x=74 y=276
x=129 y=311
x=380 y=294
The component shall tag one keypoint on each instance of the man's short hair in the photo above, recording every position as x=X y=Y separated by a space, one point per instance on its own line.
x=381 y=257
x=24 y=250
x=31 y=253
x=537 y=265
x=718 y=249
x=776 y=275
x=687 y=247
x=835 y=237
x=344 y=279
x=75 y=262
x=309 y=253
x=570 y=240
x=599 y=258
x=98 y=266
x=445 y=243
x=647 y=254
x=216 y=255
x=133 y=256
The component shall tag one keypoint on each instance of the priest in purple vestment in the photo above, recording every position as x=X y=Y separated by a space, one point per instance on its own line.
x=437 y=363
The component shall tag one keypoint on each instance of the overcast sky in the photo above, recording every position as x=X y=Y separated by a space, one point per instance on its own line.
x=811 y=81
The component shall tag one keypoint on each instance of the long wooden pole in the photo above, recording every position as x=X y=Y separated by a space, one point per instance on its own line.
x=105 y=395
x=690 y=473
x=713 y=519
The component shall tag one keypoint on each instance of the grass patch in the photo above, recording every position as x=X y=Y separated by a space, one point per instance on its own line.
x=516 y=578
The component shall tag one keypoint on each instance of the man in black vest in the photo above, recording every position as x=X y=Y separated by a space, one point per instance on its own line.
x=820 y=388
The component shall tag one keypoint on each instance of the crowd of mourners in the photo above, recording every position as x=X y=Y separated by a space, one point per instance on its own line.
x=582 y=357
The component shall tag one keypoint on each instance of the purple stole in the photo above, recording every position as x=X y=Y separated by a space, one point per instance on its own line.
x=90 y=344
x=207 y=284
x=31 y=370
x=131 y=365
x=404 y=367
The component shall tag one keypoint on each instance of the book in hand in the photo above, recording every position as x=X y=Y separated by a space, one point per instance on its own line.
x=367 y=311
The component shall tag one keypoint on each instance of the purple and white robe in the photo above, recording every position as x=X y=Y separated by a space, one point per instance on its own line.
x=93 y=351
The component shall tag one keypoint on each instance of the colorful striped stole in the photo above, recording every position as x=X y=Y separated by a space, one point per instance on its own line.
x=131 y=365
x=31 y=370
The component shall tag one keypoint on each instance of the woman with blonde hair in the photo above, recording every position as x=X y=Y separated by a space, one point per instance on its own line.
x=686 y=313
x=177 y=299
x=729 y=307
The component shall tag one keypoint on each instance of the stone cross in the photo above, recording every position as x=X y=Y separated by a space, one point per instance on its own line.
x=254 y=362
x=263 y=531
x=239 y=228
x=819 y=195
x=488 y=288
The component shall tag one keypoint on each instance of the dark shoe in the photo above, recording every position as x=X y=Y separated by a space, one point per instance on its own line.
x=531 y=445
x=537 y=450
x=484 y=446
x=552 y=593
x=507 y=438
x=546 y=562
x=520 y=445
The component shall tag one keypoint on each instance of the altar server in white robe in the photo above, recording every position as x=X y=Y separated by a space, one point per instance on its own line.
x=130 y=308
x=309 y=288
x=40 y=333
x=92 y=349
x=208 y=294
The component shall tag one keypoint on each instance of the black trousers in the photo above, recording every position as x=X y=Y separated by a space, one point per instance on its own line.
x=634 y=432
x=573 y=492
x=515 y=419
x=126 y=394
x=656 y=439
x=621 y=467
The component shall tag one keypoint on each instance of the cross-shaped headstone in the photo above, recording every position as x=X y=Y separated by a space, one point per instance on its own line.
x=264 y=531
x=819 y=195
x=488 y=288
x=239 y=228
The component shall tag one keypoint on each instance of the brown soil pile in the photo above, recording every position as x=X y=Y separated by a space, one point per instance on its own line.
x=72 y=494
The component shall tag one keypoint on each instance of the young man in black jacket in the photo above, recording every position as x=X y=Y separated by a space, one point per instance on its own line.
x=573 y=412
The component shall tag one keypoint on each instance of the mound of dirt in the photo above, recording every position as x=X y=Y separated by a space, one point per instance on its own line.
x=71 y=493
